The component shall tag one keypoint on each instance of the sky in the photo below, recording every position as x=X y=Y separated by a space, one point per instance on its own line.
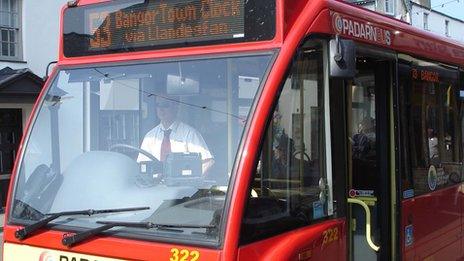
x=454 y=8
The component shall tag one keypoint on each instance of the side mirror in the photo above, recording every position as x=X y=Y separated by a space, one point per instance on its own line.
x=342 y=58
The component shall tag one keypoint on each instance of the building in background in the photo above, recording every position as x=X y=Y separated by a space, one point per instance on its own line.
x=28 y=42
x=398 y=9
x=420 y=14
x=436 y=22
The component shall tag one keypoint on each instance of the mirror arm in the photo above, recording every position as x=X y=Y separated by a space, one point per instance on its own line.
x=45 y=78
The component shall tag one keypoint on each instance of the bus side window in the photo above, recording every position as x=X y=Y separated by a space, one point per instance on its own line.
x=285 y=192
x=431 y=107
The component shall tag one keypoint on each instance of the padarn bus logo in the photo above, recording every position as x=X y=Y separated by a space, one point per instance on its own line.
x=338 y=23
x=360 y=29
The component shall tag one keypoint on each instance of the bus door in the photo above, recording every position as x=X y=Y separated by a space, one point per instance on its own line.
x=369 y=160
x=291 y=212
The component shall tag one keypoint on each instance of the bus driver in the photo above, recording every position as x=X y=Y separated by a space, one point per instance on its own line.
x=172 y=135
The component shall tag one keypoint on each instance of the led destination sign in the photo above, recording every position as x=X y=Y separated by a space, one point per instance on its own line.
x=140 y=25
x=122 y=26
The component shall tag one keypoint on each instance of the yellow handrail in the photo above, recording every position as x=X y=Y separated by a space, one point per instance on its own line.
x=368 y=222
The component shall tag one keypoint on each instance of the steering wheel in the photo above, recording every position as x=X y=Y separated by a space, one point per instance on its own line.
x=139 y=150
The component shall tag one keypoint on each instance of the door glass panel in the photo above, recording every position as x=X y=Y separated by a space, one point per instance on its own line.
x=368 y=141
x=289 y=188
x=363 y=126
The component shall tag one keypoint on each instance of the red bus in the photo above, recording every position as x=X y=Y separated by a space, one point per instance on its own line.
x=241 y=130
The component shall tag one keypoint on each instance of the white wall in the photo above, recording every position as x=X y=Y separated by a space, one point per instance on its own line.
x=436 y=22
x=40 y=34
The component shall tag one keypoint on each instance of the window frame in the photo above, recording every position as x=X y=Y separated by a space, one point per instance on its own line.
x=18 y=43
x=390 y=4
x=426 y=21
x=447 y=29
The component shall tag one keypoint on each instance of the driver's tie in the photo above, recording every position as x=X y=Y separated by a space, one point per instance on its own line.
x=165 y=145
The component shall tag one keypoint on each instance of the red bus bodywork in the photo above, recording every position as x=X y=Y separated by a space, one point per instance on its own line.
x=296 y=20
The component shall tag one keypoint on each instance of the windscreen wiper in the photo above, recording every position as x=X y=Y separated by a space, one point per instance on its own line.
x=27 y=230
x=74 y=239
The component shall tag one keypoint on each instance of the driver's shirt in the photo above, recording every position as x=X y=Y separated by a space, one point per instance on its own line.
x=183 y=138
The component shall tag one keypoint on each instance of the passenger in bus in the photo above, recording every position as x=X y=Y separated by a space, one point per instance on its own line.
x=172 y=135
x=282 y=162
x=282 y=147
x=278 y=131
x=433 y=143
x=364 y=139
x=288 y=163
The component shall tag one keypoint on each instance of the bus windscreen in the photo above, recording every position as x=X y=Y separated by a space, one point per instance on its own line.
x=127 y=26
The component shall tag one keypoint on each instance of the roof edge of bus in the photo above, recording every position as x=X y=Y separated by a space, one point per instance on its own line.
x=405 y=38
x=335 y=5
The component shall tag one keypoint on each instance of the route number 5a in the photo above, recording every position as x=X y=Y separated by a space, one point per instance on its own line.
x=184 y=255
